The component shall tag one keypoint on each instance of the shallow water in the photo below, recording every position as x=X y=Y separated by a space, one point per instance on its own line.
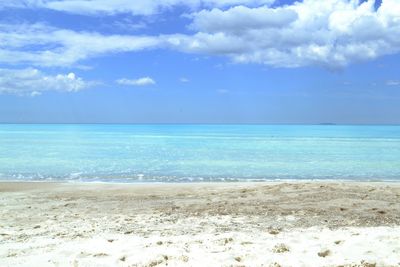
x=180 y=153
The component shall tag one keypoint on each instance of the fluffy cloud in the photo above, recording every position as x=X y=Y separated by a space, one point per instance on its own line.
x=329 y=33
x=240 y=18
x=136 y=7
x=144 y=81
x=34 y=82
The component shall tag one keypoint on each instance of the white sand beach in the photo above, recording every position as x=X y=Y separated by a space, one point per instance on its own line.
x=238 y=224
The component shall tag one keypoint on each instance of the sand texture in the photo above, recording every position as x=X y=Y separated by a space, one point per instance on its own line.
x=238 y=224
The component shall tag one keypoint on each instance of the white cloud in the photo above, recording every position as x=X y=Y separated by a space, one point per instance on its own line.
x=241 y=18
x=135 y=7
x=42 y=45
x=393 y=83
x=184 y=80
x=329 y=33
x=144 y=81
x=34 y=82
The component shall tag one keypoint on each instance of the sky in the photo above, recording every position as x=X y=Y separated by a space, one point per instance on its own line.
x=200 y=61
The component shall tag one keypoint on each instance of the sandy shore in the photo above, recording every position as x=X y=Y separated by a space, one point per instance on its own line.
x=253 y=224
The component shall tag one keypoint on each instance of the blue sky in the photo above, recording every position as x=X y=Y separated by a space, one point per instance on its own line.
x=200 y=61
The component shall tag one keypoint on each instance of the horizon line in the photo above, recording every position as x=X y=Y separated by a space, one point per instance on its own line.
x=194 y=123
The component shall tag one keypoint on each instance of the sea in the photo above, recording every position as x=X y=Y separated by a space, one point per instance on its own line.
x=166 y=153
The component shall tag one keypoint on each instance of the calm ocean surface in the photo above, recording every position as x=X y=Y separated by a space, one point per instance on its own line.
x=182 y=153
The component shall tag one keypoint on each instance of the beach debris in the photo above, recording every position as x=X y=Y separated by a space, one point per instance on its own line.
x=274 y=231
x=238 y=259
x=123 y=258
x=155 y=263
x=110 y=240
x=159 y=243
x=324 y=253
x=36 y=227
x=244 y=192
x=184 y=258
x=12 y=254
x=367 y=264
x=101 y=254
x=275 y=264
x=337 y=242
x=280 y=248
x=362 y=264
x=227 y=240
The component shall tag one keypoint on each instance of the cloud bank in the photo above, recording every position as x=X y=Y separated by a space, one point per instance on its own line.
x=329 y=33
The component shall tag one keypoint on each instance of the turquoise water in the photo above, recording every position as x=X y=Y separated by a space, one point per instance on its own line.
x=181 y=153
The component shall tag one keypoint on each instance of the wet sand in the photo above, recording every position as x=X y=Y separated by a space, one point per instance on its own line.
x=221 y=224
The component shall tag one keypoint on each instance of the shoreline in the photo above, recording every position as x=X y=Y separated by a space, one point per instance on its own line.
x=197 y=182
x=225 y=224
